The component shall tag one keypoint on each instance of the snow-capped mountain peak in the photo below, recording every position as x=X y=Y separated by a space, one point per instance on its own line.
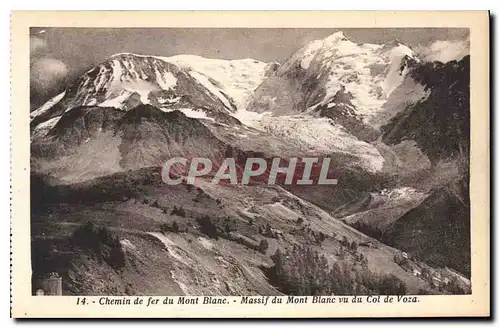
x=315 y=75
x=236 y=78
x=125 y=80
x=336 y=37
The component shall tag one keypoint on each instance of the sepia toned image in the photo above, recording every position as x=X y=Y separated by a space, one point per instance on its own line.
x=316 y=163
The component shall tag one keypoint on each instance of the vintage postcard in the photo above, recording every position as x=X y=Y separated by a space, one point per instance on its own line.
x=250 y=164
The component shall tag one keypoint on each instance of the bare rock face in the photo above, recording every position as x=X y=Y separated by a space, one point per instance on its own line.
x=440 y=123
x=93 y=141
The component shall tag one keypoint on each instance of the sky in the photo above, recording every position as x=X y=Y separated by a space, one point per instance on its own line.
x=59 y=55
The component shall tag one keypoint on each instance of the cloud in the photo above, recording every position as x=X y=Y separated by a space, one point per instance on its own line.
x=444 y=51
x=46 y=72
x=37 y=45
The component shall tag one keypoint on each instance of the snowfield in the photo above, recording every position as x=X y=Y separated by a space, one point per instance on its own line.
x=189 y=112
x=45 y=107
x=363 y=75
x=230 y=81
x=44 y=127
x=321 y=135
x=236 y=78
x=369 y=72
x=398 y=195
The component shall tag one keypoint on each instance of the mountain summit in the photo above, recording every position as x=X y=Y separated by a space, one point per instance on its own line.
x=198 y=86
x=355 y=79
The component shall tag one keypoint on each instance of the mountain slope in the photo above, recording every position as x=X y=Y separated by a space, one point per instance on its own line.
x=439 y=123
x=214 y=250
x=336 y=78
x=188 y=83
x=323 y=136
x=95 y=141
x=236 y=78
x=438 y=230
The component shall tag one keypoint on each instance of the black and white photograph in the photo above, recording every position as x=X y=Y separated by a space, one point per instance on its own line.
x=250 y=161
